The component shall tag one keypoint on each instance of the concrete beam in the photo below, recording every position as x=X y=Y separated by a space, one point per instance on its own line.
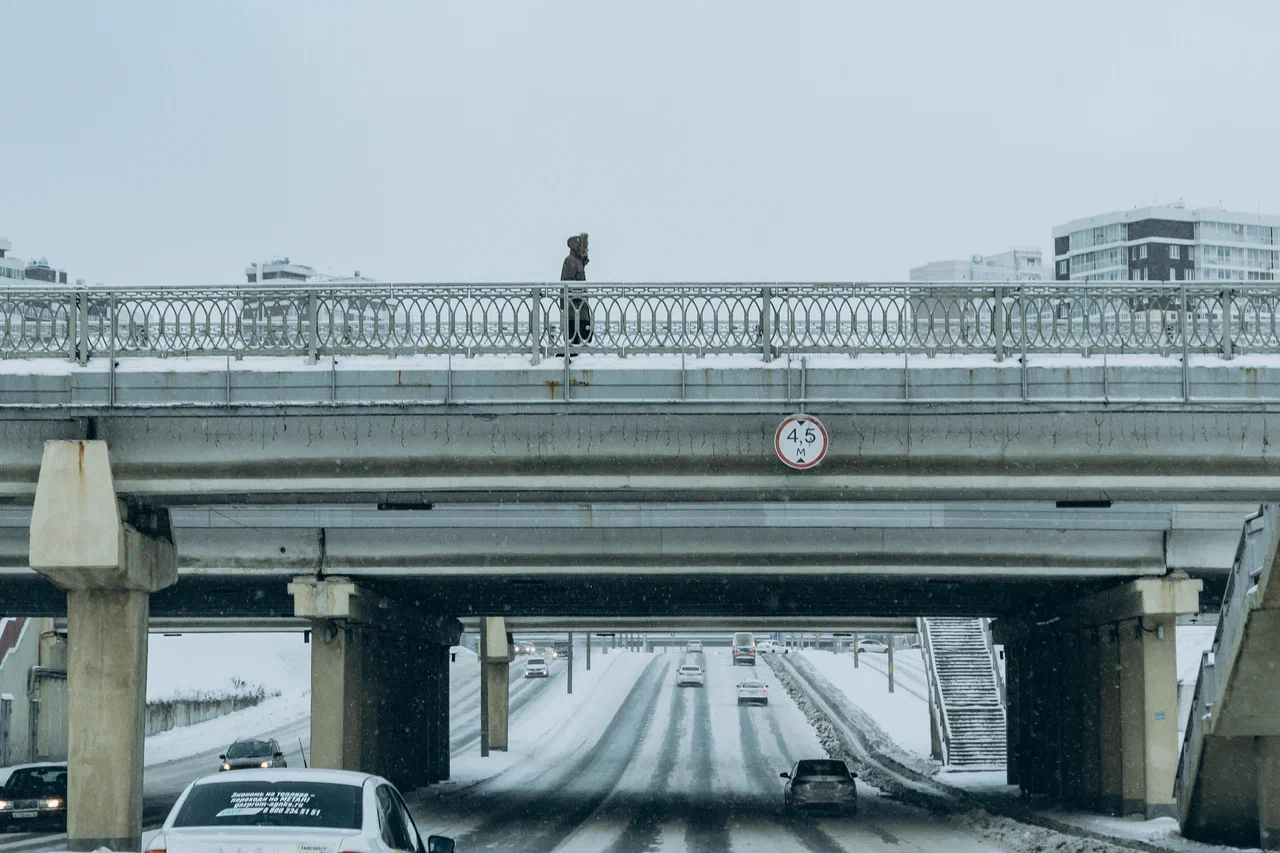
x=1171 y=596
x=960 y=451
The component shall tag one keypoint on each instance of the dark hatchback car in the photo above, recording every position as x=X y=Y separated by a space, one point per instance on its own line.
x=34 y=796
x=244 y=754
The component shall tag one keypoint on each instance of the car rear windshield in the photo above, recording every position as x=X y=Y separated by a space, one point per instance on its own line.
x=691 y=669
x=742 y=638
x=258 y=803
x=536 y=662
x=821 y=768
x=753 y=685
x=249 y=749
x=37 y=782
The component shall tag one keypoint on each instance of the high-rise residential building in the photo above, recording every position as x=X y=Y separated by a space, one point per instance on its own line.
x=1017 y=264
x=1168 y=243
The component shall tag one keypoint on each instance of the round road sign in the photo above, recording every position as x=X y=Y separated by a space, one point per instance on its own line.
x=801 y=442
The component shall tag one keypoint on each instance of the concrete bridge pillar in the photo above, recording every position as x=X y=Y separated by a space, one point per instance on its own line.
x=109 y=561
x=1096 y=697
x=379 y=682
x=495 y=684
x=1110 y=761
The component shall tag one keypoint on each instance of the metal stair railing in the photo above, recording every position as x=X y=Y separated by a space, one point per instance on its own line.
x=995 y=661
x=942 y=723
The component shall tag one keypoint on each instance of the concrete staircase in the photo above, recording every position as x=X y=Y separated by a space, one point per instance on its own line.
x=1228 y=783
x=964 y=693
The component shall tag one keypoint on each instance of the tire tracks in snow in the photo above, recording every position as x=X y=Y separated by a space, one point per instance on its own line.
x=646 y=826
x=758 y=770
x=708 y=829
x=541 y=822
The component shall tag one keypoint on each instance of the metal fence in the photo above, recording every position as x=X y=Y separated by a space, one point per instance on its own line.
x=532 y=319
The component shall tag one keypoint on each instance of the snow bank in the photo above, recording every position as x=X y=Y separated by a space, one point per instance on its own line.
x=211 y=736
x=902 y=715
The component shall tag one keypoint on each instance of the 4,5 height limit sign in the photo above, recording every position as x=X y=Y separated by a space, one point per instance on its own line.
x=801 y=442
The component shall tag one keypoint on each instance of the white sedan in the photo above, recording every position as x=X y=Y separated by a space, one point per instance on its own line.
x=691 y=674
x=536 y=668
x=753 y=691
x=318 y=811
x=873 y=647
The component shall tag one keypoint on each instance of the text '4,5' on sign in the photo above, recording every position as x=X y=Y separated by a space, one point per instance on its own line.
x=801 y=442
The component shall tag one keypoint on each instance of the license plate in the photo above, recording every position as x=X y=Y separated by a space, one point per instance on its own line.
x=25 y=814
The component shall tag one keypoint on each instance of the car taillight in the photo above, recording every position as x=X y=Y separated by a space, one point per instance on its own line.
x=157 y=850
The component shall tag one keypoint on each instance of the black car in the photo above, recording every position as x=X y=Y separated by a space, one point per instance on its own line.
x=34 y=796
x=254 y=752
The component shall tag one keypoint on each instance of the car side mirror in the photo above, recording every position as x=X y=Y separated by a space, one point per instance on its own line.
x=222 y=757
x=784 y=775
x=278 y=755
x=439 y=844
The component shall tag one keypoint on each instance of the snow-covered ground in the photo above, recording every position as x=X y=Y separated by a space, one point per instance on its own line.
x=903 y=714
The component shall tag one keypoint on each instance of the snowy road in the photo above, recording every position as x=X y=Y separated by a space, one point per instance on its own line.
x=666 y=768
x=164 y=783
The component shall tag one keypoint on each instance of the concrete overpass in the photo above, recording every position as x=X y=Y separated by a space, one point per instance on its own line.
x=381 y=463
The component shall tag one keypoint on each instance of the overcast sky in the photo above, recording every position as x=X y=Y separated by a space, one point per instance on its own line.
x=175 y=142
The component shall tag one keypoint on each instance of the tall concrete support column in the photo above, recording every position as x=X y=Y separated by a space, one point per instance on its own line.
x=337 y=704
x=1268 y=749
x=1105 y=722
x=1090 y=749
x=1148 y=715
x=379 y=682
x=109 y=558
x=1012 y=676
x=1110 y=760
x=1069 y=725
x=495 y=684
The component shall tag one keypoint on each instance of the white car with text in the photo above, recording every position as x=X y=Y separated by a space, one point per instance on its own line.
x=310 y=811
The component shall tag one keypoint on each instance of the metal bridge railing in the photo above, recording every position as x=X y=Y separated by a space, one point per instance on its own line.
x=532 y=319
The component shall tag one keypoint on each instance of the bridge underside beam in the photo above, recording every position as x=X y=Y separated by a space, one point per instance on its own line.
x=601 y=597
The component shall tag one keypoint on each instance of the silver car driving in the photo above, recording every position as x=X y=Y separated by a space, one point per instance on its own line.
x=821 y=783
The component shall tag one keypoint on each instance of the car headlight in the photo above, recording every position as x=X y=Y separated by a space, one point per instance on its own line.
x=265 y=764
x=3 y=805
x=226 y=766
x=53 y=803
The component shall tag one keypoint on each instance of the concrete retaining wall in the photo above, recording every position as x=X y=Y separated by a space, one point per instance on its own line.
x=174 y=713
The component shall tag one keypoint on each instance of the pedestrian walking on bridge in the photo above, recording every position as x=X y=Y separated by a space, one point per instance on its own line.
x=574 y=268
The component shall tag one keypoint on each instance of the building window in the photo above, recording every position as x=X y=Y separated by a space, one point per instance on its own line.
x=1133 y=275
x=1142 y=252
x=1062 y=267
x=1175 y=252
x=1133 y=253
x=1191 y=253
